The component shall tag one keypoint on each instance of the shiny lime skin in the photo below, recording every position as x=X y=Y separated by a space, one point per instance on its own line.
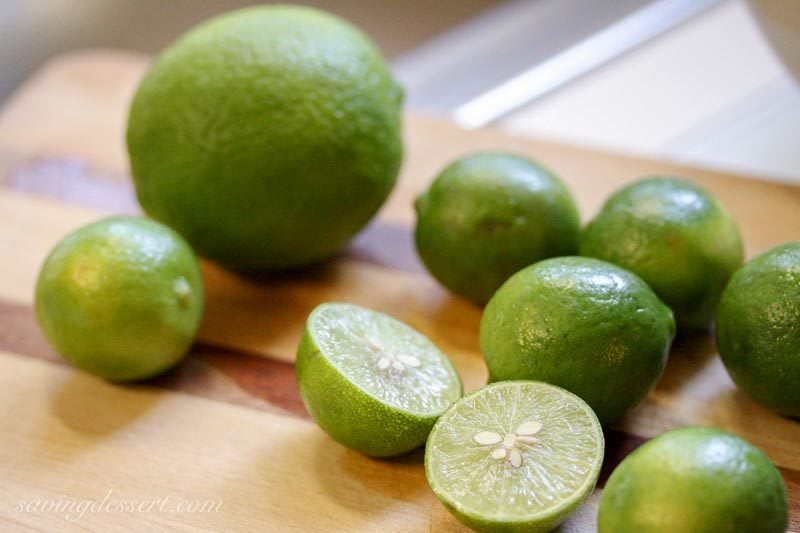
x=121 y=298
x=267 y=136
x=674 y=235
x=488 y=215
x=758 y=328
x=583 y=324
x=694 y=480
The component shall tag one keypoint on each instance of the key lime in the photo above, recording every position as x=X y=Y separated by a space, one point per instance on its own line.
x=694 y=480
x=266 y=136
x=373 y=383
x=488 y=215
x=674 y=235
x=583 y=324
x=758 y=328
x=515 y=456
x=121 y=298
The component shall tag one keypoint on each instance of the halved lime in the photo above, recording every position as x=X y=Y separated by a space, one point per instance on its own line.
x=515 y=456
x=371 y=382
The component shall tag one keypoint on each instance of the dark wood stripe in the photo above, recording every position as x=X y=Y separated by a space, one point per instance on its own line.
x=209 y=371
x=387 y=245
x=263 y=378
x=20 y=333
x=792 y=480
x=71 y=180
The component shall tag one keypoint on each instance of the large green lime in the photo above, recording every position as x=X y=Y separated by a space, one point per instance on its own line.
x=583 y=324
x=121 y=298
x=370 y=381
x=758 y=328
x=676 y=236
x=694 y=480
x=515 y=456
x=267 y=137
x=490 y=214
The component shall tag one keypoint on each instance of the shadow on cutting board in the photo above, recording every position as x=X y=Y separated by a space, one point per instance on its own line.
x=689 y=355
x=97 y=409
x=344 y=472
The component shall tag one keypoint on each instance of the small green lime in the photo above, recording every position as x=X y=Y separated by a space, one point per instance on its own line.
x=674 y=235
x=694 y=480
x=121 y=298
x=489 y=214
x=371 y=382
x=515 y=456
x=267 y=136
x=758 y=328
x=583 y=324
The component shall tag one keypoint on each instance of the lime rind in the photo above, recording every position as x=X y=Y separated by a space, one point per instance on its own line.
x=121 y=298
x=485 y=489
x=385 y=358
x=698 y=479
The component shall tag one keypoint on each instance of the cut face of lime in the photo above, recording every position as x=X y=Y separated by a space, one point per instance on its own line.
x=385 y=357
x=515 y=455
x=372 y=382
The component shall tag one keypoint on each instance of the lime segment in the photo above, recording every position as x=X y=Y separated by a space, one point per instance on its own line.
x=515 y=455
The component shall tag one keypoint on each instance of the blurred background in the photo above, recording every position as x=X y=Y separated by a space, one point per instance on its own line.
x=707 y=82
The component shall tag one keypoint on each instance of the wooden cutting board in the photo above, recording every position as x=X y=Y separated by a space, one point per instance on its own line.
x=223 y=442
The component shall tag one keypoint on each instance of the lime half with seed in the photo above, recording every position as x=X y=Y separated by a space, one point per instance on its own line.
x=515 y=456
x=373 y=383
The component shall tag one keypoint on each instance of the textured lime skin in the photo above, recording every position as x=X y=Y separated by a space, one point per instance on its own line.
x=758 y=328
x=488 y=215
x=674 y=235
x=583 y=324
x=694 y=480
x=535 y=523
x=348 y=414
x=121 y=298
x=267 y=137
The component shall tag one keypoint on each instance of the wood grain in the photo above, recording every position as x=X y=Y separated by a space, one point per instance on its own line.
x=227 y=424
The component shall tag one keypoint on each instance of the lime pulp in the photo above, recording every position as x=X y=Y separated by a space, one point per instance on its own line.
x=517 y=455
